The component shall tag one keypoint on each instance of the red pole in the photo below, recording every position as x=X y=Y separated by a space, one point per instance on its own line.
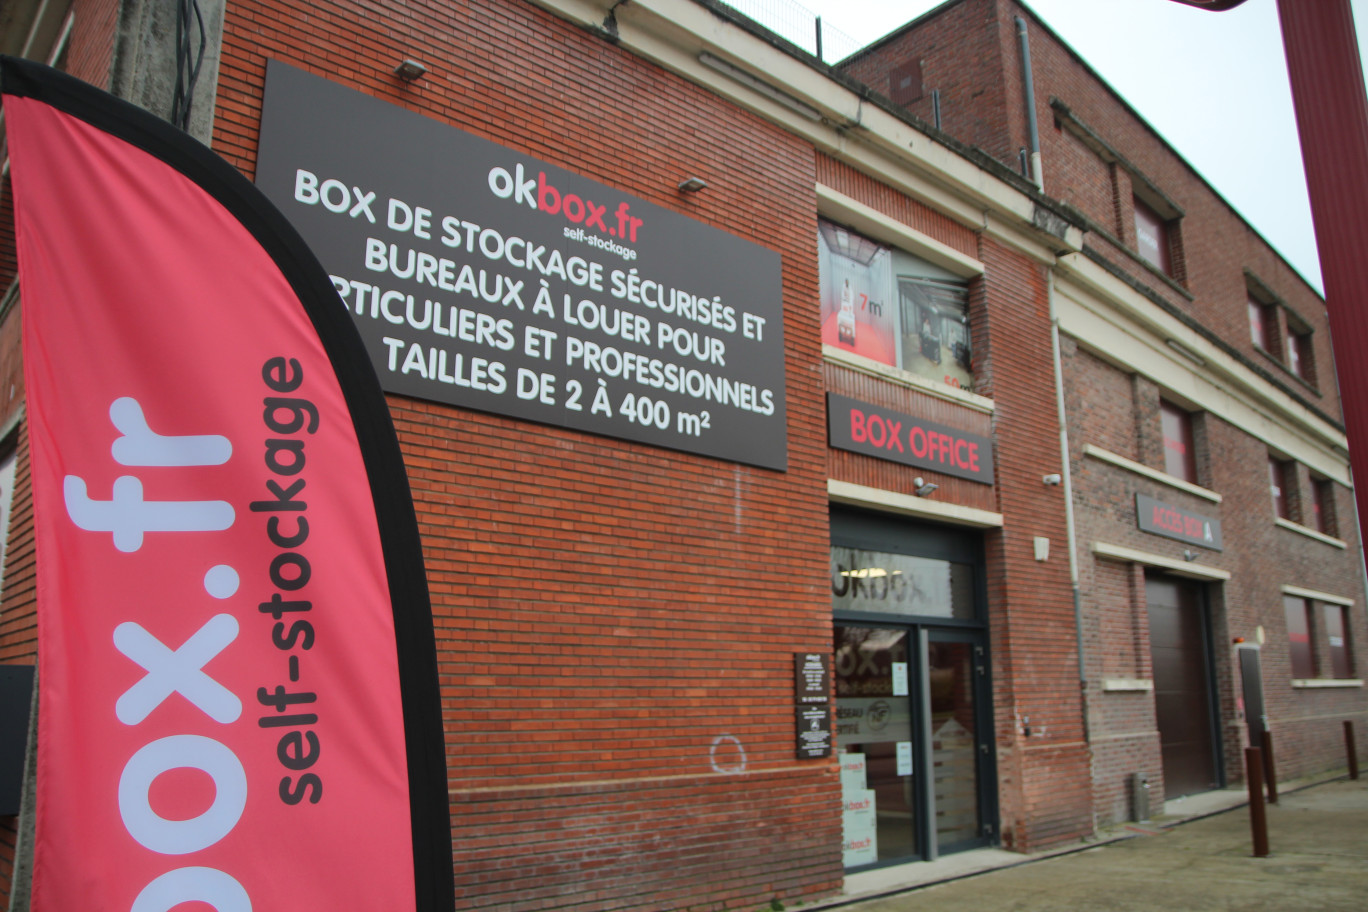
x=1332 y=123
x=1258 y=818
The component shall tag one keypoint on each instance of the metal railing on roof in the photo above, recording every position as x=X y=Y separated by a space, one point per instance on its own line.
x=797 y=24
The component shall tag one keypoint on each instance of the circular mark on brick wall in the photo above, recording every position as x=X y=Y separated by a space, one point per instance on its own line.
x=727 y=755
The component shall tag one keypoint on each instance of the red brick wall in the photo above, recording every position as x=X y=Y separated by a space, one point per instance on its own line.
x=1043 y=782
x=1115 y=411
x=1216 y=245
x=1214 y=255
x=969 y=50
x=1043 y=777
x=615 y=623
x=961 y=49
x=895 y=205
x=1032 y=618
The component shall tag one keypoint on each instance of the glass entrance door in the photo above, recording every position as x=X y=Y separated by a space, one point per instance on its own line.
x=874 y=724
x=909 y=716
x=951 y=674
x=914 y=715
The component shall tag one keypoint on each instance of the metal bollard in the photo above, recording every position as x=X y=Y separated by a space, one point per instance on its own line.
x=1258 y=820
x=1350 y=748
x=1270 y=772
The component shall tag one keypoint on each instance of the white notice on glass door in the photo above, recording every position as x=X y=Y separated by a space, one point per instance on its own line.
x=904 y=758
x=899 y=679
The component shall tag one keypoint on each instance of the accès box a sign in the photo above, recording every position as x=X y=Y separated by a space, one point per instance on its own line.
x=484 y=278
x=1160 y=518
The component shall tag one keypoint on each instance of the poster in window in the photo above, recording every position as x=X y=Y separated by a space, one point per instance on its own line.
x=857 y=310
x=935 y=337
x=887 y=305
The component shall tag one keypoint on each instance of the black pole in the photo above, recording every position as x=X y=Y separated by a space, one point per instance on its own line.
x=1270 y=772
x=1350 y=748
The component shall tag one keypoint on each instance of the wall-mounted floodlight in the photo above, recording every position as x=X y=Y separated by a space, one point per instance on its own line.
x=409 y=70
x=692 y=185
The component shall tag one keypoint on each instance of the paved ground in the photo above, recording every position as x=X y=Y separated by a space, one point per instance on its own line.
x=1318 y=862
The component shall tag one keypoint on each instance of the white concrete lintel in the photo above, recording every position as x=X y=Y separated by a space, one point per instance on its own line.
x=892 y=502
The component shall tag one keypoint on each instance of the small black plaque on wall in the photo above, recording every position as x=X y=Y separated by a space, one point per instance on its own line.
x=812 y=691
x=16 y=693
x=814 y=731
x=812 y=677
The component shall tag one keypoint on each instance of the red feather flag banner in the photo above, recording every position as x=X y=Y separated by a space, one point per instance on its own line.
x=239 y=702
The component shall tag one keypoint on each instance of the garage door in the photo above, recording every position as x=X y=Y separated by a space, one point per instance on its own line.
x=1182 y=689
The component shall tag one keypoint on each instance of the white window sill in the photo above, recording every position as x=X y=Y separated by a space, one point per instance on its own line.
x=906 y=378
x=1316 y=594
x=1131 y=465
x=1192 y=569
x=1127 y=685
x=1319 y=683
x=1311 y=533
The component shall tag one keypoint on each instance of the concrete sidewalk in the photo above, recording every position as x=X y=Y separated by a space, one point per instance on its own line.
x=1318 y=837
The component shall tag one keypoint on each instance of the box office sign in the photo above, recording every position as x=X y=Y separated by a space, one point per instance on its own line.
x=885 y=434
x=484 y=278
x=1159 y=518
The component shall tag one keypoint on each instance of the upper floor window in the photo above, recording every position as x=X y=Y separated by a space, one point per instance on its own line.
x=886 y=304
x=1323 y=506
x=1303 y=658
x=1180 y=452
x=1279 y=485
x=1152 y=237
x=1337 y=634
x=1263 y=324
x=1299 y=353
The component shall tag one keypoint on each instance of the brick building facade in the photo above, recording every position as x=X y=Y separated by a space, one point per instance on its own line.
x=1173 y=303
x=617 y=622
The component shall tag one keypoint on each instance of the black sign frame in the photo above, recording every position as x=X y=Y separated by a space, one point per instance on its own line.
x=483 y=278
x=1159 y=518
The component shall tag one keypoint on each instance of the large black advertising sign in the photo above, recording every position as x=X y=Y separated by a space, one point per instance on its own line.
x=487 y=279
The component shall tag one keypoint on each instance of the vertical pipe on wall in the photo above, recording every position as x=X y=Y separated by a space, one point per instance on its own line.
x=1066 y=479
x=1028 y=87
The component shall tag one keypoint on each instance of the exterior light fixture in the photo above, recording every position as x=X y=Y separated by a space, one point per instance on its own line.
x=692 y=185
x=924 y=488
x=1052 y=479
x=409 y=70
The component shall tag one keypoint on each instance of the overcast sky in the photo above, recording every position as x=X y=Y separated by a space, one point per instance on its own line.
x=1213 y=84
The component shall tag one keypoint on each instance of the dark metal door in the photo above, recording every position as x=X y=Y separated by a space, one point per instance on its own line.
x=1182 y=691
